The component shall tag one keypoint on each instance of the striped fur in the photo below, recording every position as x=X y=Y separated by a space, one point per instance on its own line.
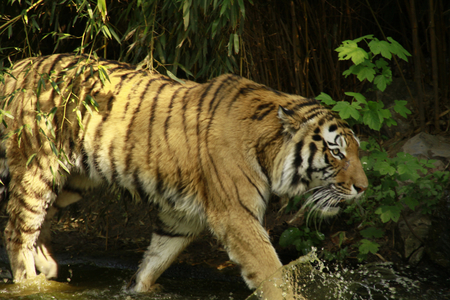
x=208 y=155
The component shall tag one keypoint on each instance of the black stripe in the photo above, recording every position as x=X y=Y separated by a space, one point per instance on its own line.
x=308 y=102
x=25 y=205
x=313 y=150
x=183 y=109
x=231 y=77
x=114 y=174
x=243 y=91
x=298 y=155
x=159 y=182
x=254 y=185
x=200 y=104
x=84 y=160
x=27 y=230
x=128 y=147
x=109 y=106
x=242 y=204
x=48 y=183
x=152 y=119
x=169 y=114
x=263 y=168
x=139 y=186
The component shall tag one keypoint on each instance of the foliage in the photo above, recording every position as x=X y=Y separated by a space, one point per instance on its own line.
x=198 y=38
x=303 y=239
x=395 y=183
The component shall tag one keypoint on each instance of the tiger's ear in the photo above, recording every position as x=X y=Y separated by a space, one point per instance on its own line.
x=287 y=118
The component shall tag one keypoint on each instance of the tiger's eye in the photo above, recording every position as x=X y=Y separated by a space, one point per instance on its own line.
x=335 y=151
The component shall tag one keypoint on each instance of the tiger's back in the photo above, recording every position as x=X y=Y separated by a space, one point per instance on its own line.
x=208 y=155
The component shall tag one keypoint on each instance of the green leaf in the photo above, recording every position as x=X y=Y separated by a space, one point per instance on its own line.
x=236 y=43
x=30 y=159
x=400 y=108
x=172 y=76
x=91 y=101
x=325 y=99
x=354 y=69
x=389 y=212
x=186 y=13
x=350 y=50
x=372 y=232
x=230 y=45
x=398 y=49
x=368 y=246
x=384 y=168
x=372 y=119
x=366 y=73
x=381 y=82
x=101 y=4
x=61 y=164
x=410 y=201
x=289 y=236
x=358 y=97
x=346 y=110
x=79 y=118
x=242 y=7
x=103 y=74
x=381 y=63
x=382 y=47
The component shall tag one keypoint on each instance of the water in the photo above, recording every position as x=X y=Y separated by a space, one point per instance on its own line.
x=82 y=281
x=107 y=279
x=371 y=281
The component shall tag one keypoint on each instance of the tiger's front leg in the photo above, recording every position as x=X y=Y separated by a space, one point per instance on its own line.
x=29 y=198
x=45 y=263
x=248 y=244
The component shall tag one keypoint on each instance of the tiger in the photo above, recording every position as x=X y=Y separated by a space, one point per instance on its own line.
x=207 y=155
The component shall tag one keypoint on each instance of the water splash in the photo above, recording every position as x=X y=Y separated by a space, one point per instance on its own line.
x=311 y=279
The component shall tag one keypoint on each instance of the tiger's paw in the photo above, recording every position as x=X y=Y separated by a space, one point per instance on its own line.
x=140 y=287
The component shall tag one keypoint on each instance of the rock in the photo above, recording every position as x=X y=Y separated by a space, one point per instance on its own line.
x=412 y=246
x=424 y=145
x=438 y=245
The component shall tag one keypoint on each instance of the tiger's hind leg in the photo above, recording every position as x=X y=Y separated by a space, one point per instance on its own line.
x=172 y=236
x=43 y=259
x=31 y=194
x=163 y=250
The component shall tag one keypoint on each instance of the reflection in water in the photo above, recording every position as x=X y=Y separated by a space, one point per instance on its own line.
x=89 y=282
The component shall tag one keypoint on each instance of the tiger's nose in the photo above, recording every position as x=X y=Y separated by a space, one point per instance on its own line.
x=360 y=189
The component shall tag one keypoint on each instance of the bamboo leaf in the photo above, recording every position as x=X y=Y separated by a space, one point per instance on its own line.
x=236 y=43
x=101 y=4
x=30 y=159
x=172 y=76
x=61 y=164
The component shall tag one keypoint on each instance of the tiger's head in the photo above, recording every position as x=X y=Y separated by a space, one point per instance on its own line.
x=319 y=154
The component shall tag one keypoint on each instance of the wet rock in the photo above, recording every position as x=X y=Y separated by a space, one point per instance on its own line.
x=413 y=233
x=438 y=245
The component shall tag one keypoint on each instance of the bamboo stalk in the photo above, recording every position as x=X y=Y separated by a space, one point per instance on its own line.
x=417 y=66
x=434 y=65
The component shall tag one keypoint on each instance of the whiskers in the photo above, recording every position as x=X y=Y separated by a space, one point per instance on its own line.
x=322 y=203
